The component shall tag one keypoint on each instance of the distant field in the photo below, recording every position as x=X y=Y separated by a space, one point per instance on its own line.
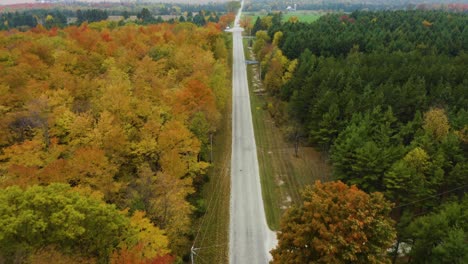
x=303 y=16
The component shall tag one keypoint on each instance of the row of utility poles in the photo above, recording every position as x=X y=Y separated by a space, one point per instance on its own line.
x=193 y=249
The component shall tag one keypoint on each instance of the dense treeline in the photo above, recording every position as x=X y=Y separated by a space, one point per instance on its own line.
x=116 y=9
x=405 y=31
x=61 y=18
x=17 y=20
x=90 y=15
x=353 y=5
x=200 y=18
x=385 y=94
x=125 y=111
x=48 y=18
x=61 y=15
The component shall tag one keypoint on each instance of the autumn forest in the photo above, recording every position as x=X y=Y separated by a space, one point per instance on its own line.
x=106 y=133
x=111 y=125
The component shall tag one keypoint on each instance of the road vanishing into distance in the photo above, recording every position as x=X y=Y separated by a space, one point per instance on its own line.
x=250 y=239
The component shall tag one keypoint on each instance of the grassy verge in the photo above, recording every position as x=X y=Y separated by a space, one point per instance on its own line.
x=282 y=174
x=212 y=242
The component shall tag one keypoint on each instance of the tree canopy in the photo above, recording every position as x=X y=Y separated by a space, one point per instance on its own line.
x=75 y=223
x=335 y=224
x=384 y=94
x=440 y=237
x=433 y=32
x=126 y=111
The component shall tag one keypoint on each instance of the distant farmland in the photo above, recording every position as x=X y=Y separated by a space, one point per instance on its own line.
x=302 y=16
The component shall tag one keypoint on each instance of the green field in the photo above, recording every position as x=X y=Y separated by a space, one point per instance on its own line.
x=302 y=16
x=282 y=174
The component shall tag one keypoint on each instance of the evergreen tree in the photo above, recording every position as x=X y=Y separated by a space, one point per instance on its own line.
x=257 y=26
x=441 y=236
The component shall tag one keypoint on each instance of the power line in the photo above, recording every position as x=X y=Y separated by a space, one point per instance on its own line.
x=215 y=206
x=432 y=196
x=202 y=259
x=206 y=211
x=211 y=206
x=219 y=245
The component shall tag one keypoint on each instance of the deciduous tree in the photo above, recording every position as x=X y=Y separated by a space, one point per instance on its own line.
x=56 y=215
x=335 y=224
x=436 y=123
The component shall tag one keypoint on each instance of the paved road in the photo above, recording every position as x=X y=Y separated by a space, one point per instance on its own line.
x=250 y=238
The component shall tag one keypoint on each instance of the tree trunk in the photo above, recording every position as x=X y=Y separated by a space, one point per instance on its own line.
x=296 y=145
x=395 y=253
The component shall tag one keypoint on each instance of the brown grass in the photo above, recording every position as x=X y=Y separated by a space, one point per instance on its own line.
x=283 y=175
x=212 y=243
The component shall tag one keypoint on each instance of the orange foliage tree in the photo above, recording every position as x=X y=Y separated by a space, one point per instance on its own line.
x=336 y=224
x=91 y=105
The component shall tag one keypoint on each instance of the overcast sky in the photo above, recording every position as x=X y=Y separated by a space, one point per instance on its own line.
x=9 y=2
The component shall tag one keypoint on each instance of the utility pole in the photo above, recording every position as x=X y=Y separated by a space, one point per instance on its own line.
x=260 y=71
x=211 y=147
x=192 y=252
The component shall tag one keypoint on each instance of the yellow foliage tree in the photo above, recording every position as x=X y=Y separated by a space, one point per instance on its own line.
x=436 y=123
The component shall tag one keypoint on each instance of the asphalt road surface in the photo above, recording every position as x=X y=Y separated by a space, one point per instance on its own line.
x=250 y=239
